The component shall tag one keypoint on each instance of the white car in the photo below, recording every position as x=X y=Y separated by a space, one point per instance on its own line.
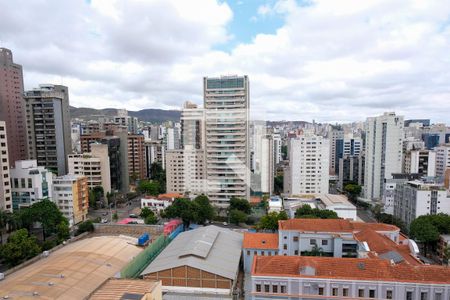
x=104 y=220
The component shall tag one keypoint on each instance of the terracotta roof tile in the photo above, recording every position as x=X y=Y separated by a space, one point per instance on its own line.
x=332 y=225
x=260 y=240
x=349 y=268
x=170 y=195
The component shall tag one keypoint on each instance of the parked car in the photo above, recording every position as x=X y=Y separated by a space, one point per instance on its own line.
x=133 y=216
x=104 y=220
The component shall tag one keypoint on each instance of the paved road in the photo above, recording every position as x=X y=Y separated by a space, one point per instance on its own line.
x=123 y=211
x=365 y=216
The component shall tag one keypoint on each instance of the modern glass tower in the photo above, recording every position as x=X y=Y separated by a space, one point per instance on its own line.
x=227 y=104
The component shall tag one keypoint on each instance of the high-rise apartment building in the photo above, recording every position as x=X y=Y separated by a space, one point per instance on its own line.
x=308 y=165
x=421 y=162
x=384 y=141
x=94 y=165
x=277 y=143
x=12 y=109
x=442 y=159
x=192 y=126
x=71 y=195
x=227 y=105
x=136 y=157
x=185 y=171
x=154 y=153
x=351 y=170
x=333 y=135
x=346 y=146
x=48 y=126
x=30 y=183
x=5 y=188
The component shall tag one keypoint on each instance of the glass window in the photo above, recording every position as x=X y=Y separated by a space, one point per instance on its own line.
x=266 y=288
x=285 y=246
x=334 y=291
x=423 y=296
x=324 y=242
x=345 y=292
x=409 y=295
x=274 y=289
x=283 y=289
x=312 y=241
x=388 y=294
x=371 y=293
x=438 y=296
x=258 y=288
x=361 y=293
x=295 y=238
x=321 y=291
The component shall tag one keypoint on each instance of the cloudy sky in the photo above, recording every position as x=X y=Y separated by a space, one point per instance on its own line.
x=328 y=60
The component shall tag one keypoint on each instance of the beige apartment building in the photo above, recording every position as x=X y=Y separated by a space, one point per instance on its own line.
x=94 y=165
x=5 y=188
x=71 y=195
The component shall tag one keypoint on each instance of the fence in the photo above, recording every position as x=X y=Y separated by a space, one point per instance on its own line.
x=143 y=259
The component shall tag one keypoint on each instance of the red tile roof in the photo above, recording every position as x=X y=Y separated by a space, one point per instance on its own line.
x=170 y=196
x=332 y=225
x=260 y=240
x=349 y=268
x=380 y=244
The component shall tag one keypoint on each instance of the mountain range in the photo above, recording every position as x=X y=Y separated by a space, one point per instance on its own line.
x=147 y=115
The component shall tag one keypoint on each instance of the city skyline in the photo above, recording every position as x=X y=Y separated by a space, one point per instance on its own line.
x=304 y=57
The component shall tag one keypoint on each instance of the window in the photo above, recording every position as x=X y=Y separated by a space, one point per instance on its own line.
x=360 y=292
x=423 y=296
x=295 y=238
x=312 y=241
x=438 y=296
x=334 y=291
x=409 y=295
x=266 y=288
x=274 y=289
x=258 y=288
x=388 y=294
x=255 y=253
x=285 y=246
x=248 y=252
x=262 y=253
x=296 y=252
x=321 y=291
x=345 y=292
x=371 y=293
x=324 y=242
x=283 y=289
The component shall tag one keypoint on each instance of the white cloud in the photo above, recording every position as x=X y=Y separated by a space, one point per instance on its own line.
x=330 y=61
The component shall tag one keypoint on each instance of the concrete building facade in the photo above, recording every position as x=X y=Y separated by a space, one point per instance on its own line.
x=442 y=159
x=71 y=195
x=94 y=165
x=30 y=183
x=12 y=106
x=136 y=157
x=308 y=165
x=384 y=141
x=48 y=126
x=192 y=126
x=5 y=187
x=227 y=105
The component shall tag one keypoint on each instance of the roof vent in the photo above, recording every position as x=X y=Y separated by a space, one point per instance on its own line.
x=361 y=266
x=263 y=241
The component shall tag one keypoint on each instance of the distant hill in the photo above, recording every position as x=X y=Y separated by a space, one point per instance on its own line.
x=148 y=115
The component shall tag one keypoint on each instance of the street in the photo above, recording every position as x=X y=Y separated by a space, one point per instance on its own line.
x=123 y=210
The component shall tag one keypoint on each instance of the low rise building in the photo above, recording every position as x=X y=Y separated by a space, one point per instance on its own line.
x=128 y=289
x=71 y=195
x=30 y=183
x=418 y=198
x=159 y=203
x=300 y=277
x=275 y=204
x=263 y=244
x=203 y=260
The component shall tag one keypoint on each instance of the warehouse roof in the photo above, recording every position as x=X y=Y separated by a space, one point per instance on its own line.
x=211 y=249
x=72 y=272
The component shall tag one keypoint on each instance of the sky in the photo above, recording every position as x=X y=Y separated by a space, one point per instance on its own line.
x=323 y=60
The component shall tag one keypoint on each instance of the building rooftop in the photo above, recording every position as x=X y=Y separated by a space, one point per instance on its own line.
x=260 y=240
x=348 y=269
x=385 y=248
x=72 y=272
x=333 y=200
x=125 y=289
x=332 y=225
x=211 y=249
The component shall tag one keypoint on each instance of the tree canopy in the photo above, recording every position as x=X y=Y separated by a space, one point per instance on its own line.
x=240 y=204
x=237 y=216
x=270 y=221
x=305 y=211
x=199 y=210
x=149 y=187
x=19 y=248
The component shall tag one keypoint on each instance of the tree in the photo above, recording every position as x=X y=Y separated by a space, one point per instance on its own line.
x=278 y=184
x=86 y=226
x=284 y=152
x=240 y=204
x=158 y=174
x=44 y=212
x=315 y=251
x=283 y=215
x=145 y=212
x=63 y=231
x=353 y=191
x=151 y=219
x=390 y=219
x=19 y=248
x=423 y=231
x=446 y=255
x=149 y=187
x=306 y=212
x=182 y=208
x=3 y=224
x=205 y=211
x=270 y=221
x=115 y=217
x=237 y=216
